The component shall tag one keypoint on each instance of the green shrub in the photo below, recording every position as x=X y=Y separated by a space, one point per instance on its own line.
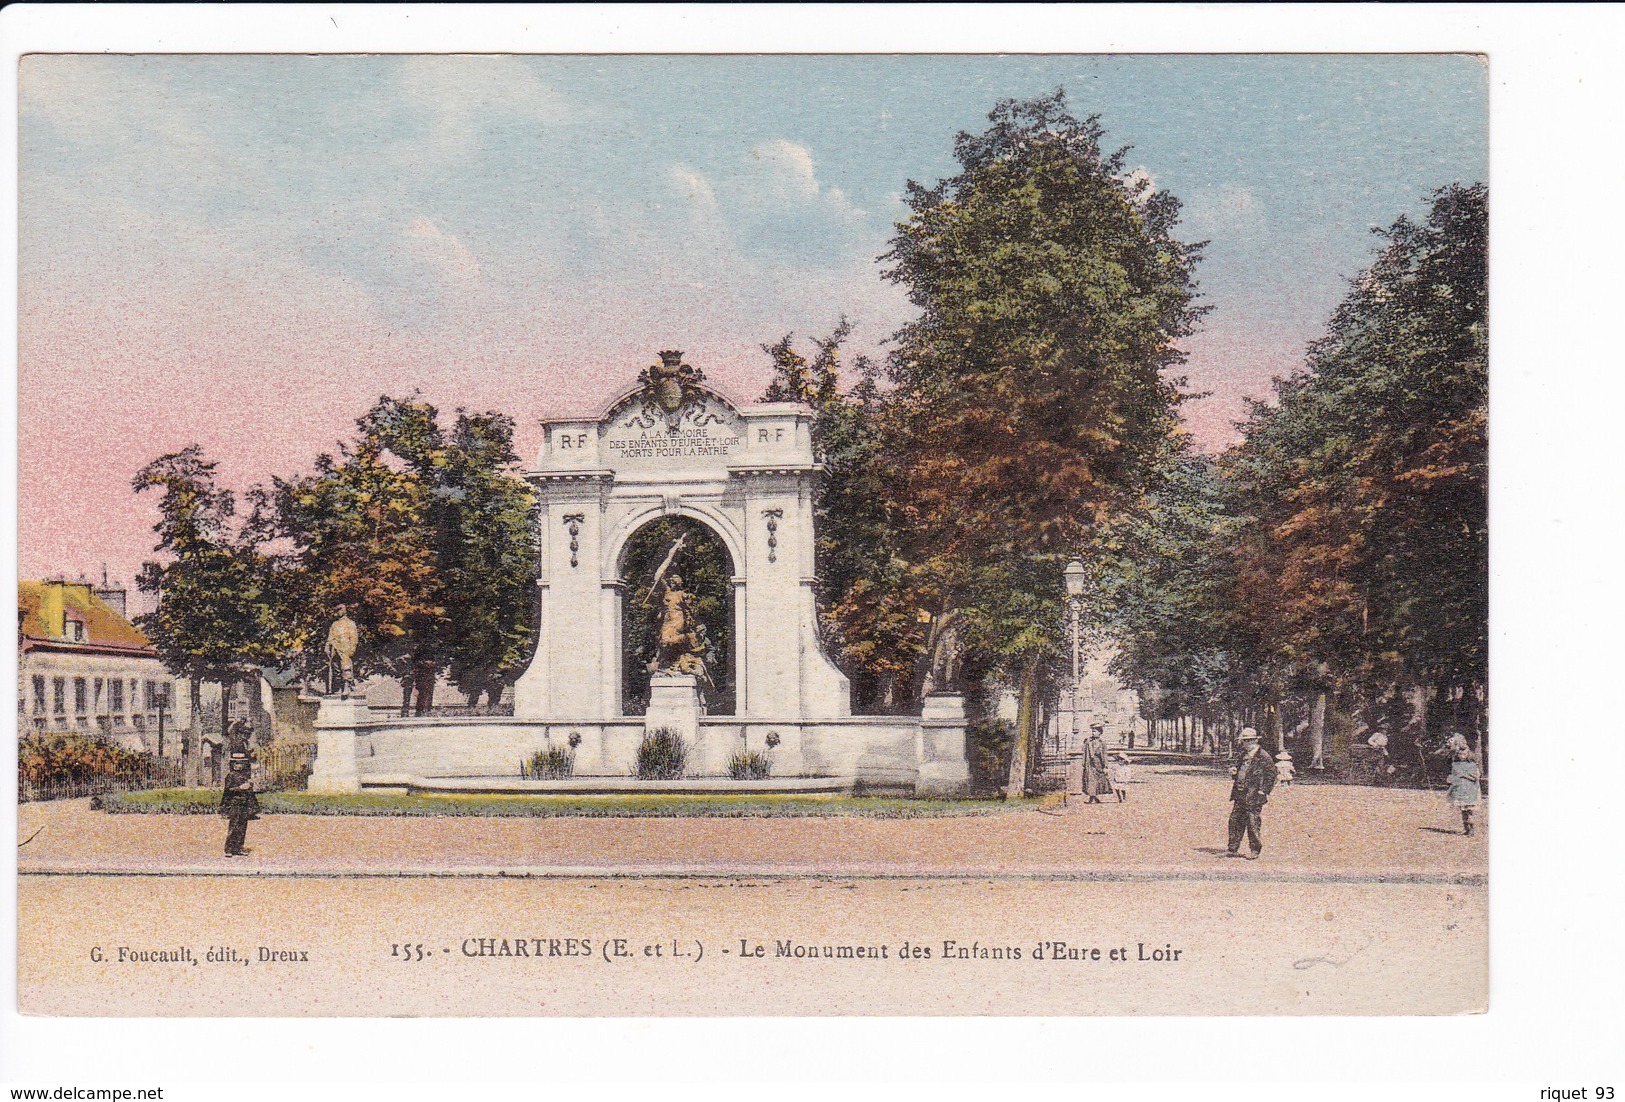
x=662 y=755
x=61 y=759
x=553 y=764
x=750 y=765
x=989 y=752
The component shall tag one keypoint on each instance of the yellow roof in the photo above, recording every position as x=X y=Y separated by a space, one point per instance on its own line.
x=37 y=602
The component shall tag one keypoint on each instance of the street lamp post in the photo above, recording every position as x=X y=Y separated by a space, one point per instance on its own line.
x=1074 y=575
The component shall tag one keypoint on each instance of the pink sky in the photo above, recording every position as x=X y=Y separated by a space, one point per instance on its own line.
x=267 y=373
x=245 y=252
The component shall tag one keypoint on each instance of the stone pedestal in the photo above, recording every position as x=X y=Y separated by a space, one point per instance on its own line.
x=943 y=769
x=338 y=721
x=674 y=702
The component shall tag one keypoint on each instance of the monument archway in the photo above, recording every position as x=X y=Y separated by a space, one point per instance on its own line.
x=674 y=447
x=615 y=491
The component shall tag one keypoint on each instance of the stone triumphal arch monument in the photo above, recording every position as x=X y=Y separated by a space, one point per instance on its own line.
x=669 y=447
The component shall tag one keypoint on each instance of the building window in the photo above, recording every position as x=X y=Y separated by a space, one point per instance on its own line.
x=152 y=696
x=81 y=697
x=39 y=695
x=59 y=695
x=117 y=685
x=98 y=696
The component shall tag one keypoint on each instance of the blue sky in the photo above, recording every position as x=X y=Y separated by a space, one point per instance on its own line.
x=246 y=250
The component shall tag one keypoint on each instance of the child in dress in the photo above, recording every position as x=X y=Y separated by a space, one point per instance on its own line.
x=1463 y=792
x=1285 y=773
x=1120 y=773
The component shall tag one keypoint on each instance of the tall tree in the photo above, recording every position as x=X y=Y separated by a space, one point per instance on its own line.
x=1166 y=585
x=870 y=595
x=1364 y=484
x=219 y=613
x=484 y=520
x=429 y=539
x=1033 y=399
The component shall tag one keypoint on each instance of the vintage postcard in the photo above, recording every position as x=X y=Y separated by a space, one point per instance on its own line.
x=545 y=534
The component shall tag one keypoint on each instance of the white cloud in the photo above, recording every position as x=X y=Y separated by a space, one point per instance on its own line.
x=694 y=186
x=788 y=168
x=1141 y=184
x=459 y=94
x=441 y=251
x=783 y=172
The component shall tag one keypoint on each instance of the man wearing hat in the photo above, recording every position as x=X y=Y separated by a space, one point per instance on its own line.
x=238 y=803
x=1254 y=781
x=1097 y=781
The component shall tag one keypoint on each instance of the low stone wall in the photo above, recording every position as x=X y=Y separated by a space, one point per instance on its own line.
x=924 y=754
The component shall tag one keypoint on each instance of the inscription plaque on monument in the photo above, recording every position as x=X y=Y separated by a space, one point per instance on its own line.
x=702 y=428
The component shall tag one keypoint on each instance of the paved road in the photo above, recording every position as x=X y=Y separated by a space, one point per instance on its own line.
x=1363 y=903
x=1172 y=826
x=687 y=946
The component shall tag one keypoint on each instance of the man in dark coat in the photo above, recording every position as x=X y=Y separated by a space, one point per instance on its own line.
x=1097 y=781
x=1255 y=780
x=238 y=803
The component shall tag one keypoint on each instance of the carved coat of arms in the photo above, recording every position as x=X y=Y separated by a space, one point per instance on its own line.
x=669 y=383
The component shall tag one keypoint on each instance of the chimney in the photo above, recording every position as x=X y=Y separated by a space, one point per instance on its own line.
x=114 y=595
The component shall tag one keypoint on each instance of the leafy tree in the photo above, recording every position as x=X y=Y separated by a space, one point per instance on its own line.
x=427 y=539
x=1032 y=399
x=1363 y=487
x=1166 y=585
x=485 y=520
x=870 y=596
x=219 y=615
x=360 y=530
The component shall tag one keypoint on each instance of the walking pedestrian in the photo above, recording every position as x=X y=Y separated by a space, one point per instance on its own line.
x=1462 y=789
x=1120 y=771
x=1097 y=782
x=1250 y=791
x=238 y=803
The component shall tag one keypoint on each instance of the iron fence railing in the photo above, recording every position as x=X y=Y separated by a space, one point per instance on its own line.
x=32 y=789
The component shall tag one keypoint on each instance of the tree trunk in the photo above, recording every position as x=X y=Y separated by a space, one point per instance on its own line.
x=1275 y=731
x=407 y=684
x=425 y=676
x=194 y=723
x=1021 y=745
x=1317 y=732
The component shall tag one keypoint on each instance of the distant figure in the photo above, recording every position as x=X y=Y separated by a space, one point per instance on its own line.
x=1254 y=781
x=238 y=803
x=1463 y=791
x=1383 y=767
x=1097 y=781
x=342 y=640
x=1121 y=771
x=1285 y=771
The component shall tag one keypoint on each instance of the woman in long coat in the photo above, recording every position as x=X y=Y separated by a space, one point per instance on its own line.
x=1097 y=781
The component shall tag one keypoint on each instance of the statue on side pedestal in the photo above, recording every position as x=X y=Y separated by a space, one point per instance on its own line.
x=342 y=640
x=942 y=653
